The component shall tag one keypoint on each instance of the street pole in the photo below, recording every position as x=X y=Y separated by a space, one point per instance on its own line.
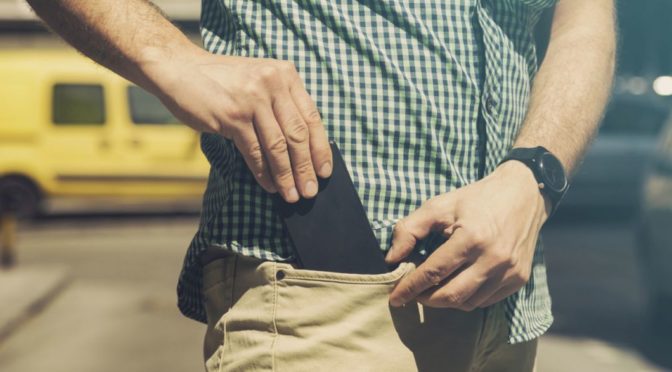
x=7 y=240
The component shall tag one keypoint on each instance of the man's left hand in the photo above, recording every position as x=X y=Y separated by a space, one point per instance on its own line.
x=492 y=227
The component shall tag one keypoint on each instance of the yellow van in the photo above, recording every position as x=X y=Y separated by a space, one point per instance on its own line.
x=71 y=130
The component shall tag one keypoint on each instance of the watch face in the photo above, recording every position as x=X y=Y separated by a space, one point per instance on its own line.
x=552 y=172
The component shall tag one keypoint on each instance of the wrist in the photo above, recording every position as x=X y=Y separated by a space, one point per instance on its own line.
x=160 y=65
x=522 y=176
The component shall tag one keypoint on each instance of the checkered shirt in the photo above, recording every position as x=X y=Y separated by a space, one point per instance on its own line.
x=421 y=96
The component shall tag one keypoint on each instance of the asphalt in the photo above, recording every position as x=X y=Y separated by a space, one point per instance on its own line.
x=26 y=291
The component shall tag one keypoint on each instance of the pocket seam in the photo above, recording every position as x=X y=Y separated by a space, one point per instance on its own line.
x=216 y=359
x=226 y=342
x=328 y=276
x=218 y=264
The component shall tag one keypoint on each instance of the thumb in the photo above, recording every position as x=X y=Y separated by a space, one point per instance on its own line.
x=408 y=231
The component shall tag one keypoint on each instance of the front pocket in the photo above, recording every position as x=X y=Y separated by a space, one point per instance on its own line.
x=320 y=316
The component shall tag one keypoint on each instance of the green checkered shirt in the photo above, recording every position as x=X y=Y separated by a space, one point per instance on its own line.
x=421 y=96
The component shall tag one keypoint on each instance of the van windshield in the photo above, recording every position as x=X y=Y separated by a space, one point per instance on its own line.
x=145 y=108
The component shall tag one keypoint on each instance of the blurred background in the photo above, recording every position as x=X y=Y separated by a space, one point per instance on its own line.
x=100 y=193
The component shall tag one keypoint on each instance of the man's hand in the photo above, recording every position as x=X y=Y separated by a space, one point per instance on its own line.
x=260 y=104
x=492 y=227
x=493 y=224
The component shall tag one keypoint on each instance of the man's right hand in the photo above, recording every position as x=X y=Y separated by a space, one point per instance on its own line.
x=261 y=105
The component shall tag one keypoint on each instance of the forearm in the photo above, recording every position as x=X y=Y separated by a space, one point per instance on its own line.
x=573 y=84
x=127 y=36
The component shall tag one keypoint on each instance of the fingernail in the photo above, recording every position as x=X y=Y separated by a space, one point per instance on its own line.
x=292 y=194
x=325 y=170
x=311 y=188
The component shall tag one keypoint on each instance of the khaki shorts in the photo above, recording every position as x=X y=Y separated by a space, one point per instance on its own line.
x=270 y=316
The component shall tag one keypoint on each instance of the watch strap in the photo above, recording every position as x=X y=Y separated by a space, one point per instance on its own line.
x=531 y=156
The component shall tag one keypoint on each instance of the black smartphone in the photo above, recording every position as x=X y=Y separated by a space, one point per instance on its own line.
x=331 y=231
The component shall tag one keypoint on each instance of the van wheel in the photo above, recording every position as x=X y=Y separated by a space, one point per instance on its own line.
x=19 y=196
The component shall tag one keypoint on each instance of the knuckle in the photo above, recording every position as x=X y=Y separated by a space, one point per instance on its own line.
x=255 y=150
x=267 y=73
x=296 y=132
x=399 y=227
x=252 y=88
x=287 y=66
x=432 y=275
x=453 y=298
x=313 y=116
x=429 y=203
x=284 y=176
x=407 y=292
x=235 y=114
x=501 y=257
x=521 y=277
x=255 y=154
x=478 y=238
x=305 y=168
x=278 y=145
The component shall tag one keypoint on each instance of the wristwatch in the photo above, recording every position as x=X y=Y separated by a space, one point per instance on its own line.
x=547 y=170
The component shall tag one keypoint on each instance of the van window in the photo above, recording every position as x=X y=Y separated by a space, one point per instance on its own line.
x=79 y=104
x=147 y=109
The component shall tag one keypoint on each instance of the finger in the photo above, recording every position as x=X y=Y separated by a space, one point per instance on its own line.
x=456 y=291
x=487 y=290
x=298 y=143
x=246 y=141
x=319 y=142
x=449 y=257
x=274 y=146
x=431 y=215
x=500 y=295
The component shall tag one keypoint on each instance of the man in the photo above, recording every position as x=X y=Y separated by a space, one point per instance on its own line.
x=425 y=99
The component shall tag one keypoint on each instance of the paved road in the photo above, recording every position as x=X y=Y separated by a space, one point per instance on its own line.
x=598 y=299
x=119 y=314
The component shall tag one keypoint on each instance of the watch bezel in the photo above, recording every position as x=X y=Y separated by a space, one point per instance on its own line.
x=546 y=167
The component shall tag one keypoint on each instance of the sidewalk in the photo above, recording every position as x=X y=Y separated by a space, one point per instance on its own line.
x=25 y=291
x=558 y=353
